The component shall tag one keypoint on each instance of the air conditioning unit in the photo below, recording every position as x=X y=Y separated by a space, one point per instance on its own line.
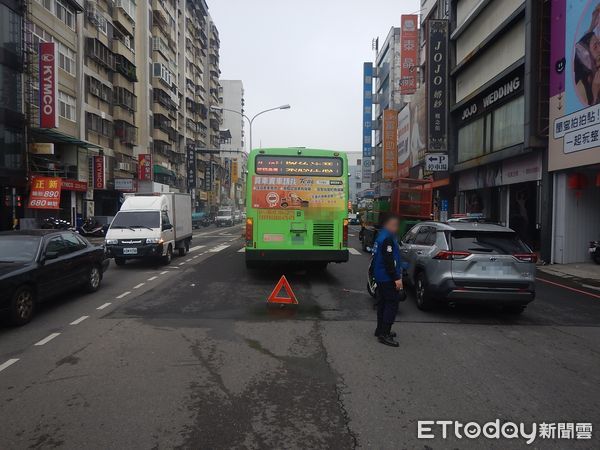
x=126 y=167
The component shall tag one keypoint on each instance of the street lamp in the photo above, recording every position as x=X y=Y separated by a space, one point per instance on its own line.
x=250 y=120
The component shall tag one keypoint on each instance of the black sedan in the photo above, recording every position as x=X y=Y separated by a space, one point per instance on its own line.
x=36 y=265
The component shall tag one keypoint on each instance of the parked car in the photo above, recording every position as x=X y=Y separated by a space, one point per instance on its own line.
x=200 y=219
x=464 y=262
x=353 y=218
x=36 y=265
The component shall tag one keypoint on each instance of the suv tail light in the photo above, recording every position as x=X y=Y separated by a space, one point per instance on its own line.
x=450 y=256
x=249 y=232
x=345 y=234
x=526 y=257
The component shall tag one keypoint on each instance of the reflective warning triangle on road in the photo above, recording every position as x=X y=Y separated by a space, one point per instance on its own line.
x=276 y=298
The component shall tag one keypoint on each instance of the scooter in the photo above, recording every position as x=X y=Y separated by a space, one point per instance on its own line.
x=53 y=223
x=595 y=251
x=91 y=228
x=371 y=283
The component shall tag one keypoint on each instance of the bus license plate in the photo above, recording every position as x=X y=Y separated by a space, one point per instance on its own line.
x=130 y=251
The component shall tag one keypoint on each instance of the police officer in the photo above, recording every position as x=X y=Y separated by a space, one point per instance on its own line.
x=387 y=265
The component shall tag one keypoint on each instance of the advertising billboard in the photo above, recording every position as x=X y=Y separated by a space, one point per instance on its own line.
x=390 y=144
x=409 y=47
x=574 y=84
x=404 y=142
x=191 y=167
x=437 y=84
x=294 y=192
x=45 y=193
x=48 y=56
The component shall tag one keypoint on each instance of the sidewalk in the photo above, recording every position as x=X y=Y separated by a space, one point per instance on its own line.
x=585 y=273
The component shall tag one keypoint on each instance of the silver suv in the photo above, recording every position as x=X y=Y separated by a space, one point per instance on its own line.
x=465 y=262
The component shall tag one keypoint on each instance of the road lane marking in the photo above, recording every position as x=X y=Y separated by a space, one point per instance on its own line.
x=242 y=250
x=587 y=286
x=78 y=321
x=218 y=248
x=197 y=247
x=354 y=251
x=154 y=277
x=8 y=363
x=568 y=287
x=182 y=263
x=47 y=339
x=188 y=260
x=124 y=294
x=137 y=286
x=106 y=305
x=164 y=271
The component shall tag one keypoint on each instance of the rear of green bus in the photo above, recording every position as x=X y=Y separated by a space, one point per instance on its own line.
x=297 y=206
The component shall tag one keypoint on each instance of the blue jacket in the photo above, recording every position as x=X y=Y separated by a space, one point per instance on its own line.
x=387 y=262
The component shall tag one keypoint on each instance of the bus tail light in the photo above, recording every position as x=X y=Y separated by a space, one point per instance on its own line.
x=249 y=231
x=345 y=234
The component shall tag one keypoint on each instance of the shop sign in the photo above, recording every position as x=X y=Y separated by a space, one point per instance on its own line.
x=437 y=84
x=404 y=142
x=41 y=148
x=45 y=193
x=367 y=109
x=390 y=144
x=436 y=162
x=125 y=185
x=521 y=170
x=507 y=87
x=145 y=167
x=74 y=185
x=191 y=167
x=48 y=85
x=409 y=46
x=99 y=172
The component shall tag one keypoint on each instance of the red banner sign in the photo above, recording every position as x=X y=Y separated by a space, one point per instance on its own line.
x=145 y=167
x=99 y=176
x=45 y=193
x=409 y=47
x=48 y=85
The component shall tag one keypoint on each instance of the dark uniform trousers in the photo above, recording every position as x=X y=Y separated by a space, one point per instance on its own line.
x=388 y=298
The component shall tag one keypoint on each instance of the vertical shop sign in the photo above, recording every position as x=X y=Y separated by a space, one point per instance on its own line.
x=437 y=85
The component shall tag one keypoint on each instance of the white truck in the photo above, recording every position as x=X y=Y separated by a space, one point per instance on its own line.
x=150 y=226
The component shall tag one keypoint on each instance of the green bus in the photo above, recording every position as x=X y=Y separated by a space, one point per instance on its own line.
x=296 y=206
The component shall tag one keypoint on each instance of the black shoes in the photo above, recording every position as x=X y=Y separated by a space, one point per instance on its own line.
x=391 y=334
x=388 y=340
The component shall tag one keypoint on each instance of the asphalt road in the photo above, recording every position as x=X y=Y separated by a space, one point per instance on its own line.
x=190 y=356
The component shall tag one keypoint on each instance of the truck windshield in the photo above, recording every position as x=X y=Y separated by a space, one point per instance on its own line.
x=136 y=219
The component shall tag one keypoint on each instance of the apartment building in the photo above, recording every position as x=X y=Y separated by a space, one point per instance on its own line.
x=108 y=78
x=233 y=148
x=12 y=114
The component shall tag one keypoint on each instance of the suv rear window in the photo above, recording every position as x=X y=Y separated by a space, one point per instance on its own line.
x=487 y=242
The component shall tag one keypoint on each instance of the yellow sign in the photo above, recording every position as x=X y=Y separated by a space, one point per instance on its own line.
x=42 y=148
x=275 y=214
x=390 y=144
x=234 y=171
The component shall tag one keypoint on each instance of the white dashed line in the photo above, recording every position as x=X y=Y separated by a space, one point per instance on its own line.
x=124 y=294
x=164 y=271
x=47 y=339
x=78 y=321
x=8 y=363
x=152 y=278
x=218 y=248
x=104 y=306
x=242 y=250
x=188 y=260
x=354 y=251
x=195 y=256
x=137 y=286
x=182 y=263
x=197 y=247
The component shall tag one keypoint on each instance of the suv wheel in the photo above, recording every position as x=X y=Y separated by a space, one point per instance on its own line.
x=424 y=301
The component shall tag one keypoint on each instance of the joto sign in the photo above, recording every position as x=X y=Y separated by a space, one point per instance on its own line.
x=48 y=85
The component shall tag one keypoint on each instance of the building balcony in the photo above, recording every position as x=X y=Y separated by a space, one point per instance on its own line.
x=160 y=13
x=160 y=135
x=120 y=48
x=123 y=15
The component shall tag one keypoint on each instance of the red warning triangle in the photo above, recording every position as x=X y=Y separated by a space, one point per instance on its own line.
x=276 y=298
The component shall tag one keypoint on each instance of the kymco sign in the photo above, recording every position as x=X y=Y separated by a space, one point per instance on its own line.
x=48 y=85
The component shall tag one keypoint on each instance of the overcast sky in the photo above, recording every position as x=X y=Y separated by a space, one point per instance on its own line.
x=309 y=54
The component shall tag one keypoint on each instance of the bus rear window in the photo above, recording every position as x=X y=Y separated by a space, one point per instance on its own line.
x=316 y=166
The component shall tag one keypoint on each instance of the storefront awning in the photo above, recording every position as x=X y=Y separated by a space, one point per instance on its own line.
x=54 y=136
x=160 y=170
